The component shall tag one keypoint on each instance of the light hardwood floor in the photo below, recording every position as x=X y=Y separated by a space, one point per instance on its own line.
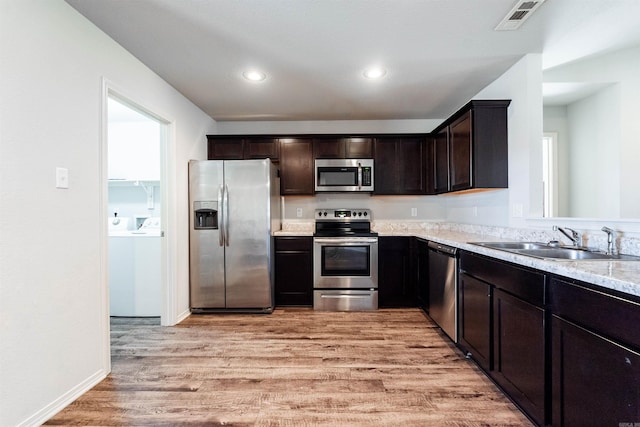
x=295 y=367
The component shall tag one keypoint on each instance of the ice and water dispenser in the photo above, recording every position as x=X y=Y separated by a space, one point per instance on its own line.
x=205 y=215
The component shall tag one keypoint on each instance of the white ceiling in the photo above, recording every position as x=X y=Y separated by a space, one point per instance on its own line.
x=438 y=53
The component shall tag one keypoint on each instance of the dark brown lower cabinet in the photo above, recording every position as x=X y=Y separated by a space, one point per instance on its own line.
x=519 y=352
x=474 y=319
x=396 y=275
x=595 y=361
x=503 y=326
x=294 y=271
x=596 y=382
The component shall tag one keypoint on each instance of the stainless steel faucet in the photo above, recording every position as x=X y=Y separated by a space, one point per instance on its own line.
x=575 y=237
x=610 y=233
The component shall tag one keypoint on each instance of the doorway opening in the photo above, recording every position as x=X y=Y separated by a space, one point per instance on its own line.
x=550 y=174
x=135 y=143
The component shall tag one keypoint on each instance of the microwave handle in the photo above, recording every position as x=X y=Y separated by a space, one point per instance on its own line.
x=359 y=176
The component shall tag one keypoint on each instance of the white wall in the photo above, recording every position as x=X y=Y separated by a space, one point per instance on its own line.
x=522 y=84
x=614 y=122
x=52 y=241
x=594 y=155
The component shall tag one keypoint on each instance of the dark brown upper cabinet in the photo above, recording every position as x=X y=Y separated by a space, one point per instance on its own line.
x=400 y=164
x=358 y=148
x=460 y=146
x=262 y=148
x=476 y=141
x=332 y=147
x=296 y=166
x=439 y=170
x=226 y=147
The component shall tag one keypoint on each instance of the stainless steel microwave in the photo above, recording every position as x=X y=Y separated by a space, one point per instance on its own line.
x=338 y=175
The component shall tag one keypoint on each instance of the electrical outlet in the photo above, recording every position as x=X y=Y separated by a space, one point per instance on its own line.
x=475 y=211
x=414 y=211
x=299 y=212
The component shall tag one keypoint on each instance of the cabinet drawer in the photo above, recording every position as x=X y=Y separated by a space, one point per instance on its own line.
x=294 y=243
x=521 y=282
x=609 y=315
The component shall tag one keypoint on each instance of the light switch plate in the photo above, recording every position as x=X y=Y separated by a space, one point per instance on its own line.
x=62 y=178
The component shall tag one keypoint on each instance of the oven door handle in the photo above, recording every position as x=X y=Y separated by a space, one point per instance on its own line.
x=345 y=240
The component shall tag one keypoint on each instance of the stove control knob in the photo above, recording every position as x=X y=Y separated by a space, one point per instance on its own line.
x=325 y=214
x=319 y=213
x=365 y=214
x=359 y=213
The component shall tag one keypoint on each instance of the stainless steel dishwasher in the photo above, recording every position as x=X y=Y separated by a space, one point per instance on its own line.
x=443 y=287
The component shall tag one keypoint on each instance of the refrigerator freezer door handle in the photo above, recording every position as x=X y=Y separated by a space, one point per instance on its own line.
x=220 y=216
x=226 y=214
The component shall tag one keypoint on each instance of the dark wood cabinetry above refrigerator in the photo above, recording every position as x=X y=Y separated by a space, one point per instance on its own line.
x=468 y=151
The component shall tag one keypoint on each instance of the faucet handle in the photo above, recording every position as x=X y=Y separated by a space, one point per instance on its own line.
x=610 y=233
x=575 y=237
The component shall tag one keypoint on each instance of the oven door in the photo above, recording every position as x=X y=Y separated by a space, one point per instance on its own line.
x=345 y=262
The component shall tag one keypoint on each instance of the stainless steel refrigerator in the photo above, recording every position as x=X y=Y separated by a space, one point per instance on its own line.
x=234 y=208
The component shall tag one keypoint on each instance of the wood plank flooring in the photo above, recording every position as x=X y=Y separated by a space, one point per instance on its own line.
x=295 y=367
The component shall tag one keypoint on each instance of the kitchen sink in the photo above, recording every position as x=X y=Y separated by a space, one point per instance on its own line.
x=562 y=253
x=511 y=245
x=565 y=253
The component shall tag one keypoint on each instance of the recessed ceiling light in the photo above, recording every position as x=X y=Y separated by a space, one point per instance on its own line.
x=374 y=73
x=254 y=76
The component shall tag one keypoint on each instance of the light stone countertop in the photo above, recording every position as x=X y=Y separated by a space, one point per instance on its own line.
x=623 y=276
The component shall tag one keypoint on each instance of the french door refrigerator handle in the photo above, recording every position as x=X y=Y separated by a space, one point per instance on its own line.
x=220 y=216
x=226 y=214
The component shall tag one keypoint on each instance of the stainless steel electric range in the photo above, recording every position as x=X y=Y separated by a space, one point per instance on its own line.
x=345 y=261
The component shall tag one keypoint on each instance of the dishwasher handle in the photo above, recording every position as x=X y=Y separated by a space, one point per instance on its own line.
x=444 y=249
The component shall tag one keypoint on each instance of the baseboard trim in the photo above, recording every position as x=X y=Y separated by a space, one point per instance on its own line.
x=63 y=401
x=183 y=316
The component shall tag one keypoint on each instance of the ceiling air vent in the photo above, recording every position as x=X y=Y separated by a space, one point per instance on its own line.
x=516 y=16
